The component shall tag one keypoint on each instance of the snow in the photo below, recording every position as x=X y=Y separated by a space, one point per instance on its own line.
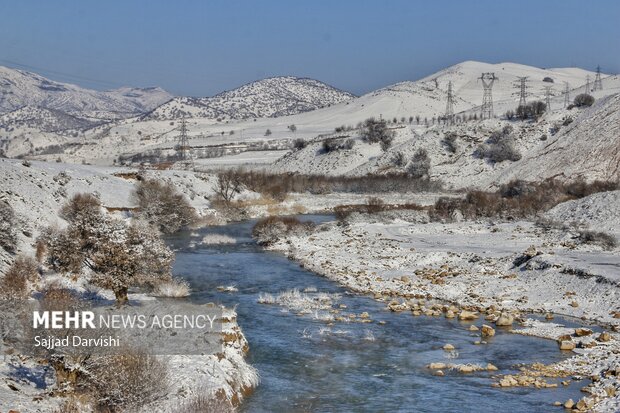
x=472 y=264
x=599 y=212
x=21 y=88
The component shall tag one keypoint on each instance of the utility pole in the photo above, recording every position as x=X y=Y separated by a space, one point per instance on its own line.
x=598 y=83
x=522 y=86
x=566 y=94
x=450 y=106
x=487 y=98
x=548 y=97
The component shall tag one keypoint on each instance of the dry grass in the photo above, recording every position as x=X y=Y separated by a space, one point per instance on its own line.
x=174 y=288
x=205 y=402
x=373 y=205
x=123 y=382
x=271 y=229
x=517 y=199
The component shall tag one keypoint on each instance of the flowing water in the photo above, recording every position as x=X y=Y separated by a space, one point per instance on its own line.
x=307 y=366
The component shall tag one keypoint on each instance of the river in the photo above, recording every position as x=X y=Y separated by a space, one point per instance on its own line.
x=307 y=366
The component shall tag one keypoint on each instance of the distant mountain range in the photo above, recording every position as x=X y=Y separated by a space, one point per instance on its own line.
x=19 y=89
x=267 y=98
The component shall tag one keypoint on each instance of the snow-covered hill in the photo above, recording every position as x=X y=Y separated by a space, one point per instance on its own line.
x=43 y=119
x=19 y=88
x=272 y=97
x=566 y=144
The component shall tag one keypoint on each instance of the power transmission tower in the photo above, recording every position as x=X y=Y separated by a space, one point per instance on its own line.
x=487 y=98
x=566 y=94
x=548 y=97
x=522 y=86
x=587 y=84
x=598 y=83
x=450 y=105
x=183 y=148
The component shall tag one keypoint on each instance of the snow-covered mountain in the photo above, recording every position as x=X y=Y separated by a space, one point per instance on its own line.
x=267 y=98
x=19 y=88
x=43 y=119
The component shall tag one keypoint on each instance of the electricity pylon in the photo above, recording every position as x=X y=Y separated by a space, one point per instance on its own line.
x=487 y=98
x=450 y=105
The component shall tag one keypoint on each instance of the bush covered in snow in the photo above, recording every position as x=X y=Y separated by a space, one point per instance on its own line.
x=583 y=99
x=499 y=147
x=337 y=144
x=376 y=131
x=124 y=382
x=450 y=142
x=532 y=110
x=269 y=230
x=8 y=224
x=161 y=205
x=15 y=283
x=420 y=165
x=118 y=255
x=602 y=239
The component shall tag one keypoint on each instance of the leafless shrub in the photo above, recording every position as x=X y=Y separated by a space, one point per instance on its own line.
x=229 y=184
x=517 y=199
x=499 y=147
x=205 y=402
x=82 y=206
x=372 y=206
x=126 y=381
x=271 y=229
x=14 y=284
x=8 y=225
x=450 y=142
x=161 y=205
x=603 y=239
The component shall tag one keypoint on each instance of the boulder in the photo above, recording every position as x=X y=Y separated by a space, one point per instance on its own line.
x=567 y=345
x=467 y=315
x=448 y=347
x=487 y=331
x=604 y=337
x=581 y=332
x=505 y=319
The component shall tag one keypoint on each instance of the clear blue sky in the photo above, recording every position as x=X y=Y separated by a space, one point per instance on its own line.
x=199 y=48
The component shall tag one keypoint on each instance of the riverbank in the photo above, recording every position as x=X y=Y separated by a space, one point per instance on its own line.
x=516 y=269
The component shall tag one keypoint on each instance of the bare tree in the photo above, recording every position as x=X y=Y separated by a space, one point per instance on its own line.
x=229 y=184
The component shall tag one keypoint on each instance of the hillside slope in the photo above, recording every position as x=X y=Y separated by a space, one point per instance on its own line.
x=272 y=97
x=589 y=148
x=19 y=88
